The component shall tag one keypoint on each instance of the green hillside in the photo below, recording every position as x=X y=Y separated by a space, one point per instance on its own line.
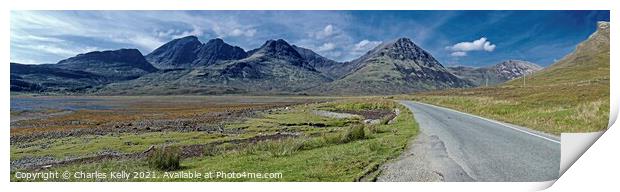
x=571 y=95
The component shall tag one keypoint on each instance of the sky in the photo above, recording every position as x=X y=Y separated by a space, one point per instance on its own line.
x=470 y=38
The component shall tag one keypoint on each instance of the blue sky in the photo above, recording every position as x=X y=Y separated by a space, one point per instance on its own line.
x=473 y=38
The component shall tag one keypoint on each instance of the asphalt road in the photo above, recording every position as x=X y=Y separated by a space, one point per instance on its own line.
x=455 y=146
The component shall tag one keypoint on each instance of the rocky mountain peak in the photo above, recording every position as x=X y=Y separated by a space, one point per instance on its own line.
x=601 y=35
x=602 y=25
x=280 y=49
x=216 y=41
x=187 y=52
x=176 y=53
x=515 y=68
x=402 y=49
x=216 y=50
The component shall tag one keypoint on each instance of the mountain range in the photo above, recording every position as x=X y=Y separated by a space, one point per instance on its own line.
x=188 y=66
x=495 y=74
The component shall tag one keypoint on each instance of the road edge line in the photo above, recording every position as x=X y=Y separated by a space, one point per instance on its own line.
x=496 y=122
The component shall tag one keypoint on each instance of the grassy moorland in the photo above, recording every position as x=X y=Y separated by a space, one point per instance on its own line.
x=571 y=95
x=301 y=141
x=551 y=109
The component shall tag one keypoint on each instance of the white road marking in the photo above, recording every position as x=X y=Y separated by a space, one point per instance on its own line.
x=493 y=121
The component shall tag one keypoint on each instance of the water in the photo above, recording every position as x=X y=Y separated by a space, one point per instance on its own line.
x=59 y=103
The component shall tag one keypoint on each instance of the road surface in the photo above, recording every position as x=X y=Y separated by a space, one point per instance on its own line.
x=455 y=146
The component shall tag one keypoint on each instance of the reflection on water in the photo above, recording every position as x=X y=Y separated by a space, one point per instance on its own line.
x=45 y=103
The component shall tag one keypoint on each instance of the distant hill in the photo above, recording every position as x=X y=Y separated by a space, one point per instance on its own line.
x=588 y=63
x=395 y=67
x=80 y=74
x=496 y=74
x=122 y=64
x=45 y=78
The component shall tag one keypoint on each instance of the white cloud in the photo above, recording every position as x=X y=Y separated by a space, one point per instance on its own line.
x=458 y=54
x=165 y=34
x=196 y=31
x=325 y=33
x=57 y=50
x=147 y=30
x=461 y=49
x=146 y=42
x=28 y=37
x=365 y=45
x=240 y=32
x=26 y=61
x=247 y=32
x=326 y=47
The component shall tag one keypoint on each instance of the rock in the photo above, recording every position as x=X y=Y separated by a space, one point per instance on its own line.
x=371 y=121
x=151 y=148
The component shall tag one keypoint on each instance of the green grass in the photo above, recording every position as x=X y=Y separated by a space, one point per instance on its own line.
x=344 y=150
x=553 y=109
x=125 y=143
x=165 y=158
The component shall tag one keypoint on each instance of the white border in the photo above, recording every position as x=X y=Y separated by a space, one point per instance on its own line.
x=586 y=173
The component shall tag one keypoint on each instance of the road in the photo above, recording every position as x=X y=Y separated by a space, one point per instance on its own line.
x=455 y=146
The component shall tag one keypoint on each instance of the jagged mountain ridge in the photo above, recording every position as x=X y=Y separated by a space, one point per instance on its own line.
x=495 y=74
x=274 y=68
x=188 y=52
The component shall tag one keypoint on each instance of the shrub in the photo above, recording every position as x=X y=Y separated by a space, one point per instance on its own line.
x=362 y=104
x=277 y=148
x=355 y=132
x=166 y=158
x=373 y=129
x=375 y=146
x=213 y=150
x=332 y=138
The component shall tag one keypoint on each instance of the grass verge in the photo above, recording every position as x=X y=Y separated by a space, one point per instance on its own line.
x=324 y=149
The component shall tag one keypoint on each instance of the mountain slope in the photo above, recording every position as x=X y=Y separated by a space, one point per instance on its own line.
x=46 y=78
x=391 y=68
x=327 y=67
x=122 y=64
x=188 y=52
x=216 y=50
x=177 y=53
x=589 y=62
x=496 y=74
x=274 y=68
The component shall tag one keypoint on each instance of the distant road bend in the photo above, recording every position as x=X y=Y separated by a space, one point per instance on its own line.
x=455 y=146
